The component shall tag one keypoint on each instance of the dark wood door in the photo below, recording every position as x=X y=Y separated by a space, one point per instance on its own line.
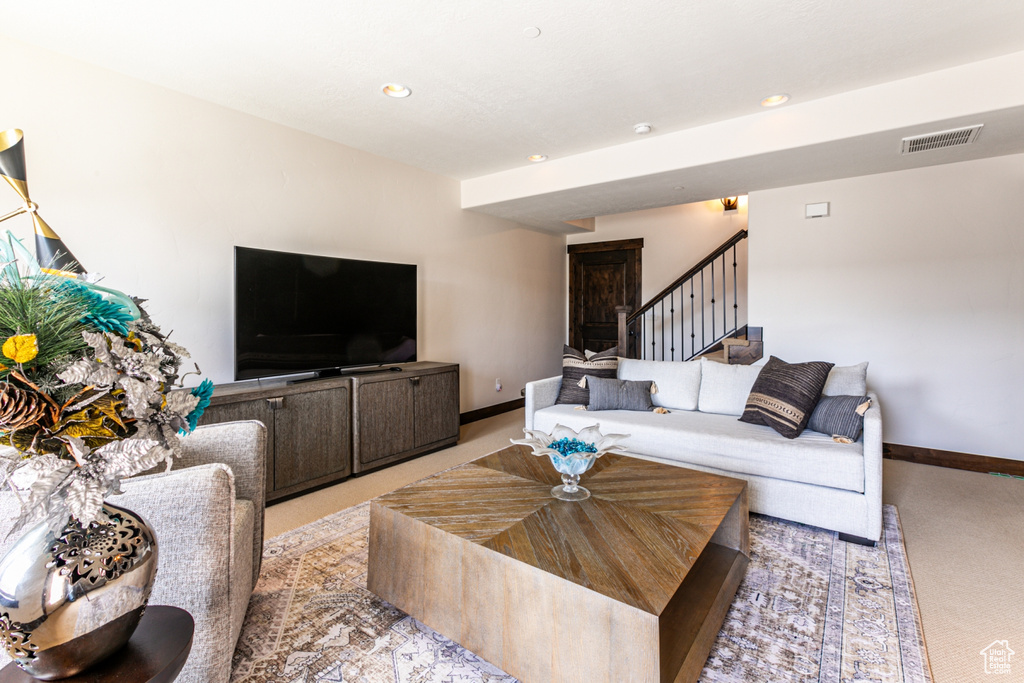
x=602 y=275
x=312 y=439
x=437 y=407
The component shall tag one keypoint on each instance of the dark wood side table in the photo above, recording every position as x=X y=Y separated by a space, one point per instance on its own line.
x=155 y=654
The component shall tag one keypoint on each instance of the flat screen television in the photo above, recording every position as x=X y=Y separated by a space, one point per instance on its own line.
x=296 y=313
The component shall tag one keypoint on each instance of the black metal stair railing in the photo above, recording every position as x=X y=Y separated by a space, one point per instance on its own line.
x=700 y=297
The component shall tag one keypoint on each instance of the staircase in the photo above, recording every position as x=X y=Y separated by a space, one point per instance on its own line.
x=696 y=315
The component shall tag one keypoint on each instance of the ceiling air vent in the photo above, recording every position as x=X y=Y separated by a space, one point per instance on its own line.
x=944 y=138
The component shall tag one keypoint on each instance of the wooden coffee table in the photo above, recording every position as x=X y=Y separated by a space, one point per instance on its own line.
x=630 y=585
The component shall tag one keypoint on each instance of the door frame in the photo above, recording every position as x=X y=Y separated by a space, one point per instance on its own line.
x=635 y=245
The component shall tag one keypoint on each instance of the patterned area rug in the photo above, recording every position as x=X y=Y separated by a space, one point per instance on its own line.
x=811 y=608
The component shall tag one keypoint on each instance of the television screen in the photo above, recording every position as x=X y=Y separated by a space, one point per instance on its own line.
x=298 y=313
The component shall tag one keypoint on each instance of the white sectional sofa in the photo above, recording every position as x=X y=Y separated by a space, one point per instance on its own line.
x=811 y=479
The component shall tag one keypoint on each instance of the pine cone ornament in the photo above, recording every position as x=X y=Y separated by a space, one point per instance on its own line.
x=19 y=408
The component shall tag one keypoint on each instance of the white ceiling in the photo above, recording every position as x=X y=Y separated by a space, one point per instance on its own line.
x=484 y=95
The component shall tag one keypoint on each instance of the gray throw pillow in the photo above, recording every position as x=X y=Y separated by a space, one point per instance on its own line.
x=619 y=394
x=841 y=417
x=576 y=366
x=847 y=380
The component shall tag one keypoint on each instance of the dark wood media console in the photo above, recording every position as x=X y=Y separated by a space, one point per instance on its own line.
x=320 y=431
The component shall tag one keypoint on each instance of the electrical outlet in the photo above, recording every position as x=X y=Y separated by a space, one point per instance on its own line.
x=497 y=385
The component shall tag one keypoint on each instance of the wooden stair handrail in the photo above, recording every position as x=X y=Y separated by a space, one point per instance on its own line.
x=735 y=239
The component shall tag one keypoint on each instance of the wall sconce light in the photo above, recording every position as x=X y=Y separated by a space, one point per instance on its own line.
x=730 y=203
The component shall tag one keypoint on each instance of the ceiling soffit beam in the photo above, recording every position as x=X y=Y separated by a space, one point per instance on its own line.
x=983 y=86
x=584 y=224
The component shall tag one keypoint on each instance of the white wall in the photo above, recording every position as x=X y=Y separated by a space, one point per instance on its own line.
x=153 y=189
x=920 y=272
x=675 y=239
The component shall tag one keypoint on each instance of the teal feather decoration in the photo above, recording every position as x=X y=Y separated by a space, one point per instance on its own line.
x=204 y=391
x=108 y=316
x=105 y=316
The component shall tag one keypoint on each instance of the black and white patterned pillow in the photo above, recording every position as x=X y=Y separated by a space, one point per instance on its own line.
x=576 y=366
x=841 y=417
x=619 y=394
x=784 y=395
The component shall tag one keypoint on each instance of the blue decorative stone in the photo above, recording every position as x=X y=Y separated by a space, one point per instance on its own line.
x=567 y=446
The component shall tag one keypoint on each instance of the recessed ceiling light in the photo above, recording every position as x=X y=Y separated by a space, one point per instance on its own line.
x=775 y=100
x=531 y=32
x=642 y=128
x=395 y=90
x=537 y=157
x=678 y=187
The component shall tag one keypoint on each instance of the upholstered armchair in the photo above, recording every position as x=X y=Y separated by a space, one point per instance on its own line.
x=207 y=513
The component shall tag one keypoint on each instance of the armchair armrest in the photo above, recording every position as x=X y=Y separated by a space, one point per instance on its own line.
x=242 y=446
x=192 y=513
x=541 y=394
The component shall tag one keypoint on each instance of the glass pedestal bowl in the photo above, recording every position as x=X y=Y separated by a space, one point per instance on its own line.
x=572 y=453
x=571 y=467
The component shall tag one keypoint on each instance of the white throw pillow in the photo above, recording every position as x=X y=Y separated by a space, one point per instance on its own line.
x=678 y=382
x=724 y=388
x=849 y=380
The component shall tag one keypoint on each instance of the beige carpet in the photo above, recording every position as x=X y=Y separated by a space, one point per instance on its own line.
x=964 y=534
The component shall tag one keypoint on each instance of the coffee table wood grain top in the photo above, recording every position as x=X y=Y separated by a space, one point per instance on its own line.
x=482 y=553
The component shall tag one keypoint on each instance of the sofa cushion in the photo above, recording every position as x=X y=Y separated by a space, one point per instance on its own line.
x=678 y=383
x=575 y=366
x=847 y=380
x=724 y=388
x=618 y=394
x=722 y=442
x=784 y=395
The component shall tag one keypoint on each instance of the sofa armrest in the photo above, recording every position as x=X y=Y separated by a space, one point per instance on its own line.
x=541 y=394
x=872 y=440
x=242 y=446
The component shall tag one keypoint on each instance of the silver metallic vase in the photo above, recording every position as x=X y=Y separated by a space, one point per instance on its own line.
x=70 y=600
